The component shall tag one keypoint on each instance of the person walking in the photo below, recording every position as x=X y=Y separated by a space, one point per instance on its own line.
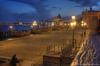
x=14 y=60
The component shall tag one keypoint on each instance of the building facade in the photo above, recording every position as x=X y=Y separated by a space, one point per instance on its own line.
x=59 y=23
x=92 y=17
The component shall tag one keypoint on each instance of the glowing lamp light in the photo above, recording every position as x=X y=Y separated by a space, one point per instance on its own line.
x=52 y=24
x=34 y=23
x=73 y=17
x=73 y=24
x=83 y=24
x=11 y=27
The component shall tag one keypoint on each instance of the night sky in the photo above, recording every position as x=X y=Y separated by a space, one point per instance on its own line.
x=29 y=10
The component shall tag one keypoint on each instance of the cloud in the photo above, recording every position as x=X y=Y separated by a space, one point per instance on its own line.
x=86 y=3
x=13 y=11
x=17 y=7
x=39 y=5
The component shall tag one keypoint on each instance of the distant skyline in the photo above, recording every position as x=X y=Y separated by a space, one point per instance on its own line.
x=29 y=10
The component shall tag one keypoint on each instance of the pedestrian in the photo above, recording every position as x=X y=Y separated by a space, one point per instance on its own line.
x=14 y=60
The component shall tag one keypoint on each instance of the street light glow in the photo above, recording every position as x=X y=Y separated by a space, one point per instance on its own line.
x=73 y=17
x=83 y=23
x=52 y=24
x=11 y=27
x=34 y=23
x=73 y=24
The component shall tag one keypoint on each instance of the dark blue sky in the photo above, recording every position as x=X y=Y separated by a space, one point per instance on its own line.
x=28 y=10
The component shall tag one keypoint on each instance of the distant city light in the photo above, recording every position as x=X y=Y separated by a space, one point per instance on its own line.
x=11 y=27
x=73 y=17
x=34 y=23
x=52 y=24
x=72 y=24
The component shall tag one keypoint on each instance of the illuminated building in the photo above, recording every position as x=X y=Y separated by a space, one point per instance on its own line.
x=58 y=22
x=92 y=17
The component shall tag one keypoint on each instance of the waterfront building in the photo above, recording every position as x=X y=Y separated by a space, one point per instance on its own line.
x=58 y=22
x=92 y=17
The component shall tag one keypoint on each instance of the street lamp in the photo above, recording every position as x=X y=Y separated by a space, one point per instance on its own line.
x=10 y=27
x=84 y=25
x=73 y=17
x=52 y=24
x=73 y=25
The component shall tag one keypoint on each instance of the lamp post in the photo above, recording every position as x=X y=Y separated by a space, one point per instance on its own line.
x=52 y=24
x=11 y=30
x=11 y=27
x=83 y=25
x=73 y=25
